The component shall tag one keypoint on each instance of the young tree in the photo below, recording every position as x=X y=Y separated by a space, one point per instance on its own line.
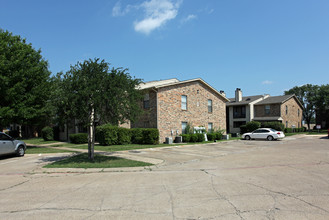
x=24 y=82
x=307 y=95
x=91 y=92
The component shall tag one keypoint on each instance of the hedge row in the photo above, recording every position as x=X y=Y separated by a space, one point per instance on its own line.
x=113 y=135
x=200 y=137
x=253 y=125
x=294 y=130
x=79 y=138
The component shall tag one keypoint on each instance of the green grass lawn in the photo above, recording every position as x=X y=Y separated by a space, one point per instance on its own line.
x=44 y=150
x=133 y=146
x=37 y=141
x=82 y=161
x=316 y=133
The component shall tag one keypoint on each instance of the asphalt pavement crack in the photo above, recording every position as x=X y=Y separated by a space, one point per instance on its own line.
x=172 y=205
x=220 y=196
x=290 y=196
x=13 y=186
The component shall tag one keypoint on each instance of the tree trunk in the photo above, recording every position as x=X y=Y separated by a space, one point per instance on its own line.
x=91 y=134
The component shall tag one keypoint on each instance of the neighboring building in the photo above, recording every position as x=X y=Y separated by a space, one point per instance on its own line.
x=263 y=108
x=286 y=109
x=170 y=104
x=240 y=110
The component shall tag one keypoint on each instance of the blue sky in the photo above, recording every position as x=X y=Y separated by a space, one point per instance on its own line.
x=260 y=46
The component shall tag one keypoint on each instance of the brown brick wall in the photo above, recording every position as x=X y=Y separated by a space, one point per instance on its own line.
x=171 y=116
x=292 y=117
x=260 y=110
x=149 y=117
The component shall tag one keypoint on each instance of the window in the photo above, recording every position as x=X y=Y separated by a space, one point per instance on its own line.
x=210 y=127
x=286 y=124
x=239 y=111
x=184 y=125
x=209 y=105
x=298 y=112
x=286 y=110
x=146 y=103
x=184 y=102
x=267 y=109
x=237 y=124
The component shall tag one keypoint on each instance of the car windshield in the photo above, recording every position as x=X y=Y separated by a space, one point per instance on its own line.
x=273 y=130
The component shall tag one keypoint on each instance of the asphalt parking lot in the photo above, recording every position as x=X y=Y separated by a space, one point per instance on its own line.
x=286 y=179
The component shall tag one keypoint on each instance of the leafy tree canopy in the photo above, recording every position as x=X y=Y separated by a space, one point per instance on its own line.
x=313 y=98
x=24 y=78
x=91 y=92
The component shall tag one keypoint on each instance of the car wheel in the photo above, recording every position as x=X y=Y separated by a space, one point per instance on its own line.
x=247 y=137
x=20 y=151
x=270 y=138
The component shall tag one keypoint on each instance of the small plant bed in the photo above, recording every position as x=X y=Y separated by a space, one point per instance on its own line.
x=38 y=141
x=100 y=161
x=44 y=150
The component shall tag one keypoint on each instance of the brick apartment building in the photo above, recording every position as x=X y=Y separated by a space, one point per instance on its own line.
x=286 y=109
x=170 y=104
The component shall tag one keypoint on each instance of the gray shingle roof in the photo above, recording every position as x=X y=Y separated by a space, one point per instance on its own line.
x=275 y=99
x=245 y=100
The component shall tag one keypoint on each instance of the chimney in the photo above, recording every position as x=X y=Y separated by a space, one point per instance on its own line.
x=238 y=95
x=222 y=93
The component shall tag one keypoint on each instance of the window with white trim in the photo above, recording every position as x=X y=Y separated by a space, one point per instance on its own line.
x=184 y=102
x=184 y=125
x=209 y=106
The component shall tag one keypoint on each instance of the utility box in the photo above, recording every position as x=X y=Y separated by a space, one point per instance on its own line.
x=168 y=140
x=226 y=137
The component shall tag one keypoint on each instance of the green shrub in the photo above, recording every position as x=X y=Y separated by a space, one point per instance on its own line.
x=211 y=136
x=275 y=125
x=200 y=137
x=243 y=129
x=252 y=125
x=288 y=130
x=150 y=136
x=186 y=137
x=136 y=135
x=124 y=136
x=219 y=136
x=47 y=133
x=79 y=138
x=193 y=137
x=107 y=135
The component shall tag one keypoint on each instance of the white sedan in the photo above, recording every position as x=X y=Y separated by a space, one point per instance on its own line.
x=264 y=133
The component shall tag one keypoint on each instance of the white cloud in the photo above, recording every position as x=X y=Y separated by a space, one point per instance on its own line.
x=157 y=14
x=267 y=82
x=188 y=18
x=118 y=11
